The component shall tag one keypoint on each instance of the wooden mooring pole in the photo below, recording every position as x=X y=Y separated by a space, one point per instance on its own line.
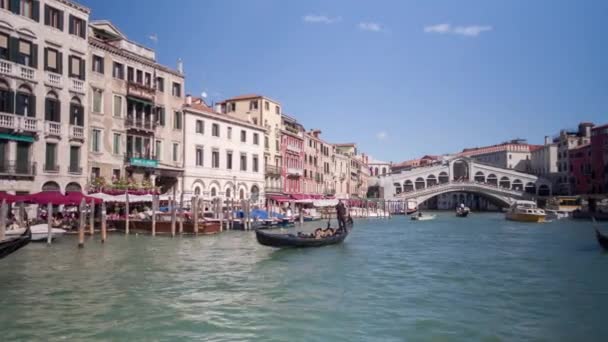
x=104 y=232
x=49 y=222
x=127 y=213
x=3 y=210
x=154 y=210
x=82 y=217
x=194 y=213
x=92 y=218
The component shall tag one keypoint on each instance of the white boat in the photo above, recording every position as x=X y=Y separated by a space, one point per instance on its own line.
x=423 y=217
x=40 y=232
x=525 y=211
x=557 y=214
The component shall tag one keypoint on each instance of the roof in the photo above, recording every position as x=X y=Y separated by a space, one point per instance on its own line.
x=600 y=127
x=508 y=146
x=247 y=97
x=346 y=145
x=198 y=104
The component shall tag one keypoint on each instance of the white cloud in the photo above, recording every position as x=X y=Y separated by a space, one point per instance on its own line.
x=467 y=31
x=320 y=19
x=382 y=136
x=371 y=26
x=153 y=37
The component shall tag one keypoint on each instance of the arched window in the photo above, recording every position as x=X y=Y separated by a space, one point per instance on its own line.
x=480 y=177
x=73 y=187
x=197 y=191
x=383 y=171
x=255 y=193
x=408 y=186
x=397 y=188
x=517 y=185
x=51 y=186
x=431 y=180
x=492 y=179
x=544 y=190
x=6 y=98
x=76 y=112
x=228 y=193
x=505 y=182
x=443 y=178
x=531 y=188
x=25 y=102
x=52 y=107
x=213 y=192
x=242 y=194
x=420 y=183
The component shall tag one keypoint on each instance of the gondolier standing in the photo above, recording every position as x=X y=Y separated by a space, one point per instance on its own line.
x=341 y=213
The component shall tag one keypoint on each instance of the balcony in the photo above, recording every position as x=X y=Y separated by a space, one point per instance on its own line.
x=294 y=172
x=75 y=170
x=17 y=70
x=294 y=149
x=51 y=168
x=18 y=123
x=140 y=124
x=141 y=91
x=77 y=85
x=52 y=129
x=14 y=169
x=272 y=170
x=145 y=160
x=76 y=133
x=53 y=79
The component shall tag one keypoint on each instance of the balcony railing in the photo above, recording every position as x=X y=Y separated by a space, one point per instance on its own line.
x=77 y=85
x=52 y=128
x=18 y=123
x=51 y=168
x=17 y=169
x=273 y=189
x=272 y=170
x=143 y=124
x=17 y=70
x=27 y=73
x=53 y=79
x=141 y=91
x=6 y=68
x=294 y=172
x=294 y=149
x=76 y=132
x=75 y=169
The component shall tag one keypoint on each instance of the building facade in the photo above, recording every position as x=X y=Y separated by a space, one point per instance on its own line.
x=599 y=159
x=43 y=95
x=136 y=123
x=319 y=165
x=292 y=154
x=515 y=154
x=357 y=178
x=579 y=160
x=266 y=113
x=223 y=155
x=567 y=140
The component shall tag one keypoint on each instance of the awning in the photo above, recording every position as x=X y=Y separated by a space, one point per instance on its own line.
x=280 y=198
x=300 y=196
x=15 y=137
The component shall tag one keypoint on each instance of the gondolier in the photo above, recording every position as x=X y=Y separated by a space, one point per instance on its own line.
x=341 y=213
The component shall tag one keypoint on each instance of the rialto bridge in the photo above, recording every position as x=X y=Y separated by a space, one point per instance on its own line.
x=499 y=185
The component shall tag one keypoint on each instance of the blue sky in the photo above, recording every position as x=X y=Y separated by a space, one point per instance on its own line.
x=400 y=78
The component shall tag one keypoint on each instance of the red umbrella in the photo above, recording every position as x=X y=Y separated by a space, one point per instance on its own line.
x=8 y=198
x=46 y=197
x=75 y=197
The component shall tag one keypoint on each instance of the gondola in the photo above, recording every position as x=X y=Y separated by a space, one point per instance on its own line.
x=11 y=245
x=601 y=238
x=291 y=240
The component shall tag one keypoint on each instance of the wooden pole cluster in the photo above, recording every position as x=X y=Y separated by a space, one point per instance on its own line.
x=3 y=211
x=103 y=222
x=82 y=217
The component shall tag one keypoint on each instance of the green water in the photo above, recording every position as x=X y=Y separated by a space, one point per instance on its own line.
x=480 y=278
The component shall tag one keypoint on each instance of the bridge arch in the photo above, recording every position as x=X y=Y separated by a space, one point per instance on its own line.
x=420 y=184
x=493 y=198
x=398 y=188
x=517 y=185
x=480 y=177
x=408 y=186
x=505 y=182
x=431 y=180
x=460 y=169
x=443 y=177
x=492 y=179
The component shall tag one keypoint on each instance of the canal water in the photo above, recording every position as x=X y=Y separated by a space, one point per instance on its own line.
x=452 y=279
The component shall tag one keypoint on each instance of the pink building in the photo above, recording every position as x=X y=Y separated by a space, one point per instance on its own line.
x=599 y=159
x=292 y=153
x=580 y=169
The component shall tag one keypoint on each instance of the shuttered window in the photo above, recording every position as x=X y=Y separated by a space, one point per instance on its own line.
x=50 y=157
x=117 y=106
x=53 y=17
x=52 y=60
x=77 y=67
x=4 y=46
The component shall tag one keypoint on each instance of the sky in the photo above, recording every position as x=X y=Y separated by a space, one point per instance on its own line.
x=400 y=78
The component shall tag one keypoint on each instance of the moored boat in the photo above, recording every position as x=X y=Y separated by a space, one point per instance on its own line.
x=39 y=232
x=12 y=244
x=525 y=211
x=423 y=217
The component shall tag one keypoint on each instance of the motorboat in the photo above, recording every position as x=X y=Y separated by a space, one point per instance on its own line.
x=557 y=214
x=525 y=211
x=39 y=232
x=423 y=217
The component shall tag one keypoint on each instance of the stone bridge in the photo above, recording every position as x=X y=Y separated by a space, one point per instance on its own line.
x=462 y=175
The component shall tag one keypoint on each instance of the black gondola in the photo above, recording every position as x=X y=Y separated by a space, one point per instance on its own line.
x=291 y=240
x=462 y=212
x=11 y=245
x=602 y=239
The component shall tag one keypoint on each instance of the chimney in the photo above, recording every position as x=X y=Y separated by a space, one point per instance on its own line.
x=547 y=140
x=180 y=66
x=189 y=100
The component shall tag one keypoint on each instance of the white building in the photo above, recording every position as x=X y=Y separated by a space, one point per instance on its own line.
x=544 y=161
x=43 y=70
x=223 y=155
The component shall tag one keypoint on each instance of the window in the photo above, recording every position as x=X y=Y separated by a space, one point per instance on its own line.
x=177 y=120
x=266 y=143
x=243 y=162
x=4 y=4
x=148 y=80
x=266 y=105
x=77 y=27
x=200 y=126
x=95 y=172
x=215 y=130
x=229 y=133
x=4 y=41
x=96 y=140
x=52 y=108
x=277 y=145
x=243 y=136
x=52 y=60
x=118 y=71
x=26 y=53
x=176 y=90
x=199 y=156
x=215 y=159
x=118 y=106
x=158 y=149
x=76 y=67
x=25 y=103
x=130 y=74
x=256 y=139
x=160 y=84
x=277 y=109
x=139 y=76
x=74 y=159
x=175 y=152
x=255 y=164
x=53 y=17
x=27 y=8
x=98 y=64
x=50 y=161
x=232 y=107
x=229 y=160
x=76 y=113
x=116 y=174
x=253 y=105
x=160 y=113
x=116 y=144
x=97 y=100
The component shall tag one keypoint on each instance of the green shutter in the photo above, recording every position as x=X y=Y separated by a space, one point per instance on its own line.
x=15 y=6
x=48 y=104
x=71 y=24
x=34 y=62
x=83 y=32
x=47 y=15
x=60 y=63
x=14 y=49
x=11 y=101
x=36 y=10
x=31 y=110
x=61 y=20
x=83 y=69
x=70 y=71
x=103 y=62
x=57 y=111
x=46 y=58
